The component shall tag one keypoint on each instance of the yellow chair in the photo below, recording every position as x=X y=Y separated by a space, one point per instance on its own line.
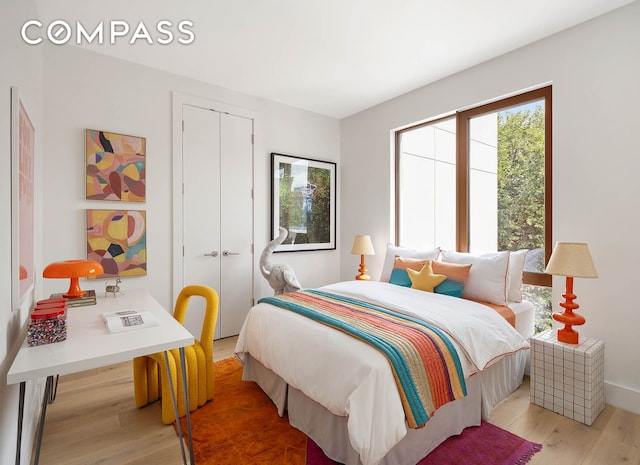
x=150 y=376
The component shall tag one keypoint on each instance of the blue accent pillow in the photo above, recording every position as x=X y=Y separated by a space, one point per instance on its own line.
x=400 y=277
x=449 y=287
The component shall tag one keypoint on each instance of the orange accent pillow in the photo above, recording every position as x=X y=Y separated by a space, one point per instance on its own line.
x=453 y=271
x=409 y=263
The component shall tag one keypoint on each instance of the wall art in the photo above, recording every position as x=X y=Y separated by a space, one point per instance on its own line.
x=115 y=166
x=22 y=200
x=117 y=239
x=303 y=201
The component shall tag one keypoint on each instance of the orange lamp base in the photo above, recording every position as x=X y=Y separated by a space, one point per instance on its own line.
x=568 y=334
x=74 y=290
x=363 y=276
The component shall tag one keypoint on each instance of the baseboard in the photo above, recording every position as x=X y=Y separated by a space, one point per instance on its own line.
x=622 y=397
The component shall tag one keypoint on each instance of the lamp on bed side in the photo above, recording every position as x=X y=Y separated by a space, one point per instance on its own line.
x=362 y=246
x=573 y=260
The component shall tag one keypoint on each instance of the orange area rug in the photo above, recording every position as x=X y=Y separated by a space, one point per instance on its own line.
x=241 y=425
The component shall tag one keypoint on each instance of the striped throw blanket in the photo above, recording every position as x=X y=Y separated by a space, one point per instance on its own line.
x=425 y=364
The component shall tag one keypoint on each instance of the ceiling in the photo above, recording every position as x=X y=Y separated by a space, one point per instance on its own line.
x=334 y=57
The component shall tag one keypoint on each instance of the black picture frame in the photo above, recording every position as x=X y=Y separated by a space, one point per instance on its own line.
x=303 y=201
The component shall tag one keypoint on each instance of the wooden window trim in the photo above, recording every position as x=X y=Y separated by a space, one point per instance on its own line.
x=462 y=171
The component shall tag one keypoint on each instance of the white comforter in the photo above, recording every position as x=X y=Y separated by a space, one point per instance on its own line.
x=350 y=378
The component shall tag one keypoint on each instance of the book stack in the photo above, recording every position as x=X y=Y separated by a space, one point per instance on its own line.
x=89 y=298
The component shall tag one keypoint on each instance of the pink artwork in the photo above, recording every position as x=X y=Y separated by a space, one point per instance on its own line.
x=26 y=142
x=115 y=166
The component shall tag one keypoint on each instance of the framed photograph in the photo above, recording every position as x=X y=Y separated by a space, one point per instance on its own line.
x=115 y=166
x=303 y=201
x=22 y=197
x=117 y=239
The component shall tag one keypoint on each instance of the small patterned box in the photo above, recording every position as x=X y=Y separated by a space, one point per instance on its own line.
x=568 y=378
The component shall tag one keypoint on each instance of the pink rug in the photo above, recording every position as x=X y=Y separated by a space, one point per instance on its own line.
x=485 y=444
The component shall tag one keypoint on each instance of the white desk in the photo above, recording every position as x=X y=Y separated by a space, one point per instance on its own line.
x=90 y=345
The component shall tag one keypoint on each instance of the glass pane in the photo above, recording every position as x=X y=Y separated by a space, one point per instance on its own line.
x=426 y=186
x=483 y=183
x=540 y=296
x=506 y=182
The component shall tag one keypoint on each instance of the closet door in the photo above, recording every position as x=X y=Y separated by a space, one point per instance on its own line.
x=217 y=156
x=236 y=213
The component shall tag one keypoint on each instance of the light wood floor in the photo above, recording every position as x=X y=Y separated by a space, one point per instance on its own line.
x=94 y=421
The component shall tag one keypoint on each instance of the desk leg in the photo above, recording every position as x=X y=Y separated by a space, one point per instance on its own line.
x=175 y=406
x=43 y=413
x=54 y=390
x=186 y=402
x=20 y=418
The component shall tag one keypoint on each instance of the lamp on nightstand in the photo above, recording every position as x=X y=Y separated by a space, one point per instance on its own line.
x=362 y=246
x=573 y=260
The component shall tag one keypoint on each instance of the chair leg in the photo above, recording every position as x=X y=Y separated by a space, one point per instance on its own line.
x=168 y=415
x=193 y=377
x=153 y=380
x=211 y=387
x=202 y=374
x=140 y=381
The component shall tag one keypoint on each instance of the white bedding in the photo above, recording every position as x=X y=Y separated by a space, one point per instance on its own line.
x=525 y=313
x=350 y=378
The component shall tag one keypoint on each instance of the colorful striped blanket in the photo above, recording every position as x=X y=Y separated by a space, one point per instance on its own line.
x=424 y=362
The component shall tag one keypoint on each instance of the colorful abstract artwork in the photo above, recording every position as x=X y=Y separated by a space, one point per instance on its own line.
x=117 y=239
x=115 y=166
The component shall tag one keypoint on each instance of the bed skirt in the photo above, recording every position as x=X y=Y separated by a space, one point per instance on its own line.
x=484 y=391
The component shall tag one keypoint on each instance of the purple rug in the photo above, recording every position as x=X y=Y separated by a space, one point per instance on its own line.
x=485 y=444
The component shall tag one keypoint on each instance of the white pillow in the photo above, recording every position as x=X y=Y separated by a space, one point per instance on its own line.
x=488 y=276
x=404 y=252
x=516 y=265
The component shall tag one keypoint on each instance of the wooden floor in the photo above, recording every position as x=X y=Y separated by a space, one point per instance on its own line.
x=94 y=421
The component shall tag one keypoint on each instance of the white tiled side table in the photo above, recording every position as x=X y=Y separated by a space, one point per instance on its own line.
x=568 y=378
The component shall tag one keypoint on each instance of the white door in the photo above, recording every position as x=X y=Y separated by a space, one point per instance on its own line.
x=217 y=164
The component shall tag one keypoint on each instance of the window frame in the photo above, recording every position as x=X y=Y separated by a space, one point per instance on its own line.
x=462 y=171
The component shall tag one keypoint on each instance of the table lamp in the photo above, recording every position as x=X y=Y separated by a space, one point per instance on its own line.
x=573 y=260
x=73 y=269
x=362 y=246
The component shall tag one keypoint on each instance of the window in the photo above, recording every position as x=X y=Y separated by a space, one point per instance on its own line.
x=480 y=180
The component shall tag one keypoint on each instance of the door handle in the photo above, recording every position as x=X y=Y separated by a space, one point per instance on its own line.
x=212 y=254
x=226 y=253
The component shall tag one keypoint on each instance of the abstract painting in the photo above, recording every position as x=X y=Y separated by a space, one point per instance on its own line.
x=22 y=200
x=117 y=239
x=115 y=166
x=303 y=201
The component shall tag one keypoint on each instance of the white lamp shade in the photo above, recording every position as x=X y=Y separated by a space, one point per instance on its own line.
x=362 y=245
x=571 y=259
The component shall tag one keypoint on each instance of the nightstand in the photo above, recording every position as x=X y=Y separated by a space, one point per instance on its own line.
x=568 y=378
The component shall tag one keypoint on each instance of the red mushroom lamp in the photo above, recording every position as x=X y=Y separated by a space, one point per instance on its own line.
x=73 y=269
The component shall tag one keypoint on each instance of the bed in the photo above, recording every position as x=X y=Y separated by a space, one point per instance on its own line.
x=341 y=392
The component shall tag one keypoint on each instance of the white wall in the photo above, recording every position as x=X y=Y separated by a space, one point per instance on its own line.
x=595 y=71
x=68 y=90
x=21 y=66
x=89 y=90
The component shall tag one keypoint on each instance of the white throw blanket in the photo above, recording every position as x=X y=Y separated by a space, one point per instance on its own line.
x=349 y=377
